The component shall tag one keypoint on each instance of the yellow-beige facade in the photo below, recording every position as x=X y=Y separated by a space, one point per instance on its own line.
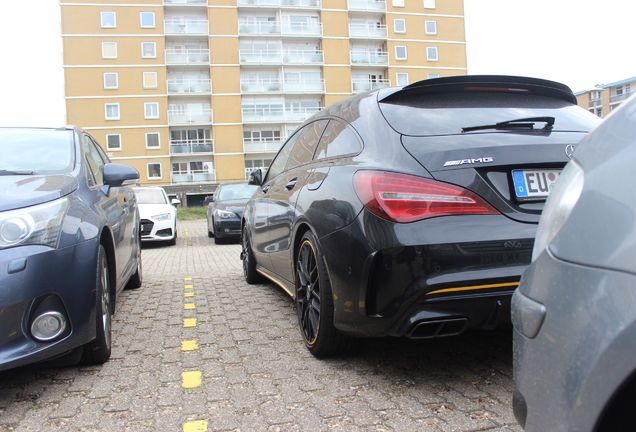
x=205 y=91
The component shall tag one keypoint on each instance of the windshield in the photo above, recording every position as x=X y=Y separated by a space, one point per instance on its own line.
x=150 y=196
x=236 y=192
x=36 y=151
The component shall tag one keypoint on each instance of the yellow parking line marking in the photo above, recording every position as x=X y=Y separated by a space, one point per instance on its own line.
x=187 y=279
x=189 y=322
x=189 y=345
x=196 y=426
x=189 y=306
x=188 y=287
x=188 y=294
x=191 y=379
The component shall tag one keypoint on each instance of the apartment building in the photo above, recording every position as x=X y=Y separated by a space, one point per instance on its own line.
x=196 y=92
x=604 y=98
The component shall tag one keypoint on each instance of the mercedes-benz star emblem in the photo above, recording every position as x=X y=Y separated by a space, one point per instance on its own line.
x=569 y=149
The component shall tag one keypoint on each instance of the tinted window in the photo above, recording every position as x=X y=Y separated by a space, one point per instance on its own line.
x=281 y=159
x=338 y=140
x=304 y=150
x=93 y=159
x=41 y=151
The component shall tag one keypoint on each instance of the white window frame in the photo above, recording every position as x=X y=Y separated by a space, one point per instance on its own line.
x=116 y=86
x=141 y=19
x=148 y=170
x=398 y=3
x=158 y=146
x=402 y=76
x=108 y=148
x=154 y=50
x=426 y=24
x=106 y=105
x=101 y=18
x=429 y=4
x=152 y=115
x=397 y=49
x=395 y=25
x=143 y=80
x=432 y=75
x=107 y=44
x=432 y=54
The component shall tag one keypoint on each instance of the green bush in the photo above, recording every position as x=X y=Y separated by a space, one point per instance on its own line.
x=190 y=213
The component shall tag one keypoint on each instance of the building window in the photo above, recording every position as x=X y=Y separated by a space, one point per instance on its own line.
x=151 y=110
x=148 y=50
x=619 y=90
x=429 y=4
x=112 y=111
x=152 y=140
x=399 y=25
x=150 y=80
x=398 y=3
x=108 y=19
x=431 y=54
x=109 y=50
x=147 y=19
x=433 y=75
x=113 y=142
x=430 y=27
x=110 y=80
x=402 y=78
x=400 y=52
x=154 y=171
x=628 y=88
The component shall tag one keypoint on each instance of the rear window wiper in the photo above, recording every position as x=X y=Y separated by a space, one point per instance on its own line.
x=7 y=172
x=524 y=123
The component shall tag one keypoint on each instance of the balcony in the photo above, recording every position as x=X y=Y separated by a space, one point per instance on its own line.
x=374 y=31
x=188 y=147
x=369 y=58
x=276 y=28
x=187 y=57
x=193 y=86
x=193 y=177
x=595 y=103
x=251 y=146
x=305 y=4
x=367 y=5
x=278 y=57
x=185 y=2
x=203 y=116
x=186 y=27
x=277 y=114
x=619 y=98
x=359 y=86
x=280 y=86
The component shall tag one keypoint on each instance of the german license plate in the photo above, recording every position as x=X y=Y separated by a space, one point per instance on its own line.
x=534 y=184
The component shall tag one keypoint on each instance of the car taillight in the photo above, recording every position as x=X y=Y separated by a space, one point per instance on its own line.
x=406 y=198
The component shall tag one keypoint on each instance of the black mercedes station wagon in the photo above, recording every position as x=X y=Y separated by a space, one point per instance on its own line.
x=410 y=211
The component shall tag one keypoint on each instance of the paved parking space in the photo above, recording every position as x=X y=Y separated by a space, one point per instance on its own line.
x=196 y=349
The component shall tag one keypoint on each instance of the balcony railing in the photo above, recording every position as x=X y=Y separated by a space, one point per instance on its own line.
x=594 y=103
x=203 y=116
x=193 y=86
x=184 y=147
x=369 y=59
x=367 y=5
x=275 y=28
x=186 y=27
x=263 y=146
x=281 y=86
x=277 y=114
x=619 y=98
x=278 y=57
x=186 y=2
x=359 y=86
x=281 y=3
x=375 y=31
x=193 y=177
x=186 y=57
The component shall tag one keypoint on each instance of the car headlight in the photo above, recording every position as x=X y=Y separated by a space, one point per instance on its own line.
x=558 y=206
x=161 y=217
x=40 y=224
x=222 y=214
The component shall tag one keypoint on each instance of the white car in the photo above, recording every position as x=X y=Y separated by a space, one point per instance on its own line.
x=158 y=215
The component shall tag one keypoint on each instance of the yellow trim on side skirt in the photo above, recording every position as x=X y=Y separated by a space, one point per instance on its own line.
x=276 y=282
x=474 y=287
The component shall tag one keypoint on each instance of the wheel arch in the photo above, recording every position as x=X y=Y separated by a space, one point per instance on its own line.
x=106 y=240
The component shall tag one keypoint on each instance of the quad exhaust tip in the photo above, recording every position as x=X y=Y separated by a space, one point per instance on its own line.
x=433 y=329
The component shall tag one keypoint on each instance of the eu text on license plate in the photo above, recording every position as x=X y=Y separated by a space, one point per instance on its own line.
x=533 y=185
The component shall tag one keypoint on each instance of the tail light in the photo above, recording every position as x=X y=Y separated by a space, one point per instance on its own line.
x=406 y=198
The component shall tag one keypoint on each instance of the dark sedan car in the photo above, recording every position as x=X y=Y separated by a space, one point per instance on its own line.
x=69 y=243
x=225 y=210
x=411 y=211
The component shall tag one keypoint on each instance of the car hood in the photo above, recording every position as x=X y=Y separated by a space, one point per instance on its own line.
x=146 y=211
x=25 y=191
x=234 y=206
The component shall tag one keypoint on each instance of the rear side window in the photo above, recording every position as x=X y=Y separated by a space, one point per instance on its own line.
x=306 y=146
x=338 y=140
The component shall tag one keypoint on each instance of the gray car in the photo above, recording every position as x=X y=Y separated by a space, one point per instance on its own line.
x=574 y=312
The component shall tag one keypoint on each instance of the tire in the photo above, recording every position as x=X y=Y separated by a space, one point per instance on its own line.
x=314 y=302
x=98 y=350
x=174 y=239
x=210 y=234
x=249 y=263
x=136 y=279
x=211 y=229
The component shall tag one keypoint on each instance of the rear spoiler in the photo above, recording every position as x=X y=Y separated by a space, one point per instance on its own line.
x=482 y=83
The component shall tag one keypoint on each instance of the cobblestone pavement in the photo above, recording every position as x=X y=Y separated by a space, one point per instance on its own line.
x=198 y=349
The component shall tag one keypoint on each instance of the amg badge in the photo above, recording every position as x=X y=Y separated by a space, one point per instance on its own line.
x=468 y=161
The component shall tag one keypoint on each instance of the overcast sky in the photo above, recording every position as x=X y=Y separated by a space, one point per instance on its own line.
x=580 y=43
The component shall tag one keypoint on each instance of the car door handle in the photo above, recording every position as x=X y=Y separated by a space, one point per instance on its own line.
x=291 y=184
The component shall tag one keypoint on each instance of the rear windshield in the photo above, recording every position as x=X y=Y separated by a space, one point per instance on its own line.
x=36 y=151
x=150 y=196
x=448 y=113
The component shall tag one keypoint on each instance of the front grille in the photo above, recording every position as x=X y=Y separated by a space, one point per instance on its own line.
x=146 y=227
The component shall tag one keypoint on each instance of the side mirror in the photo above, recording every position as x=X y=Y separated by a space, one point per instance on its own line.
x=256 y=178
x=116 y=174
x=175 y=202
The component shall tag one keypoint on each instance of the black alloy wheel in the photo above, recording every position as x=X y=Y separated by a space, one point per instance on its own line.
x=249 y=263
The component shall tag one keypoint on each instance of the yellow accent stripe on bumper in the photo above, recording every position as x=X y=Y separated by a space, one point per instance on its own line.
x=476 y=287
